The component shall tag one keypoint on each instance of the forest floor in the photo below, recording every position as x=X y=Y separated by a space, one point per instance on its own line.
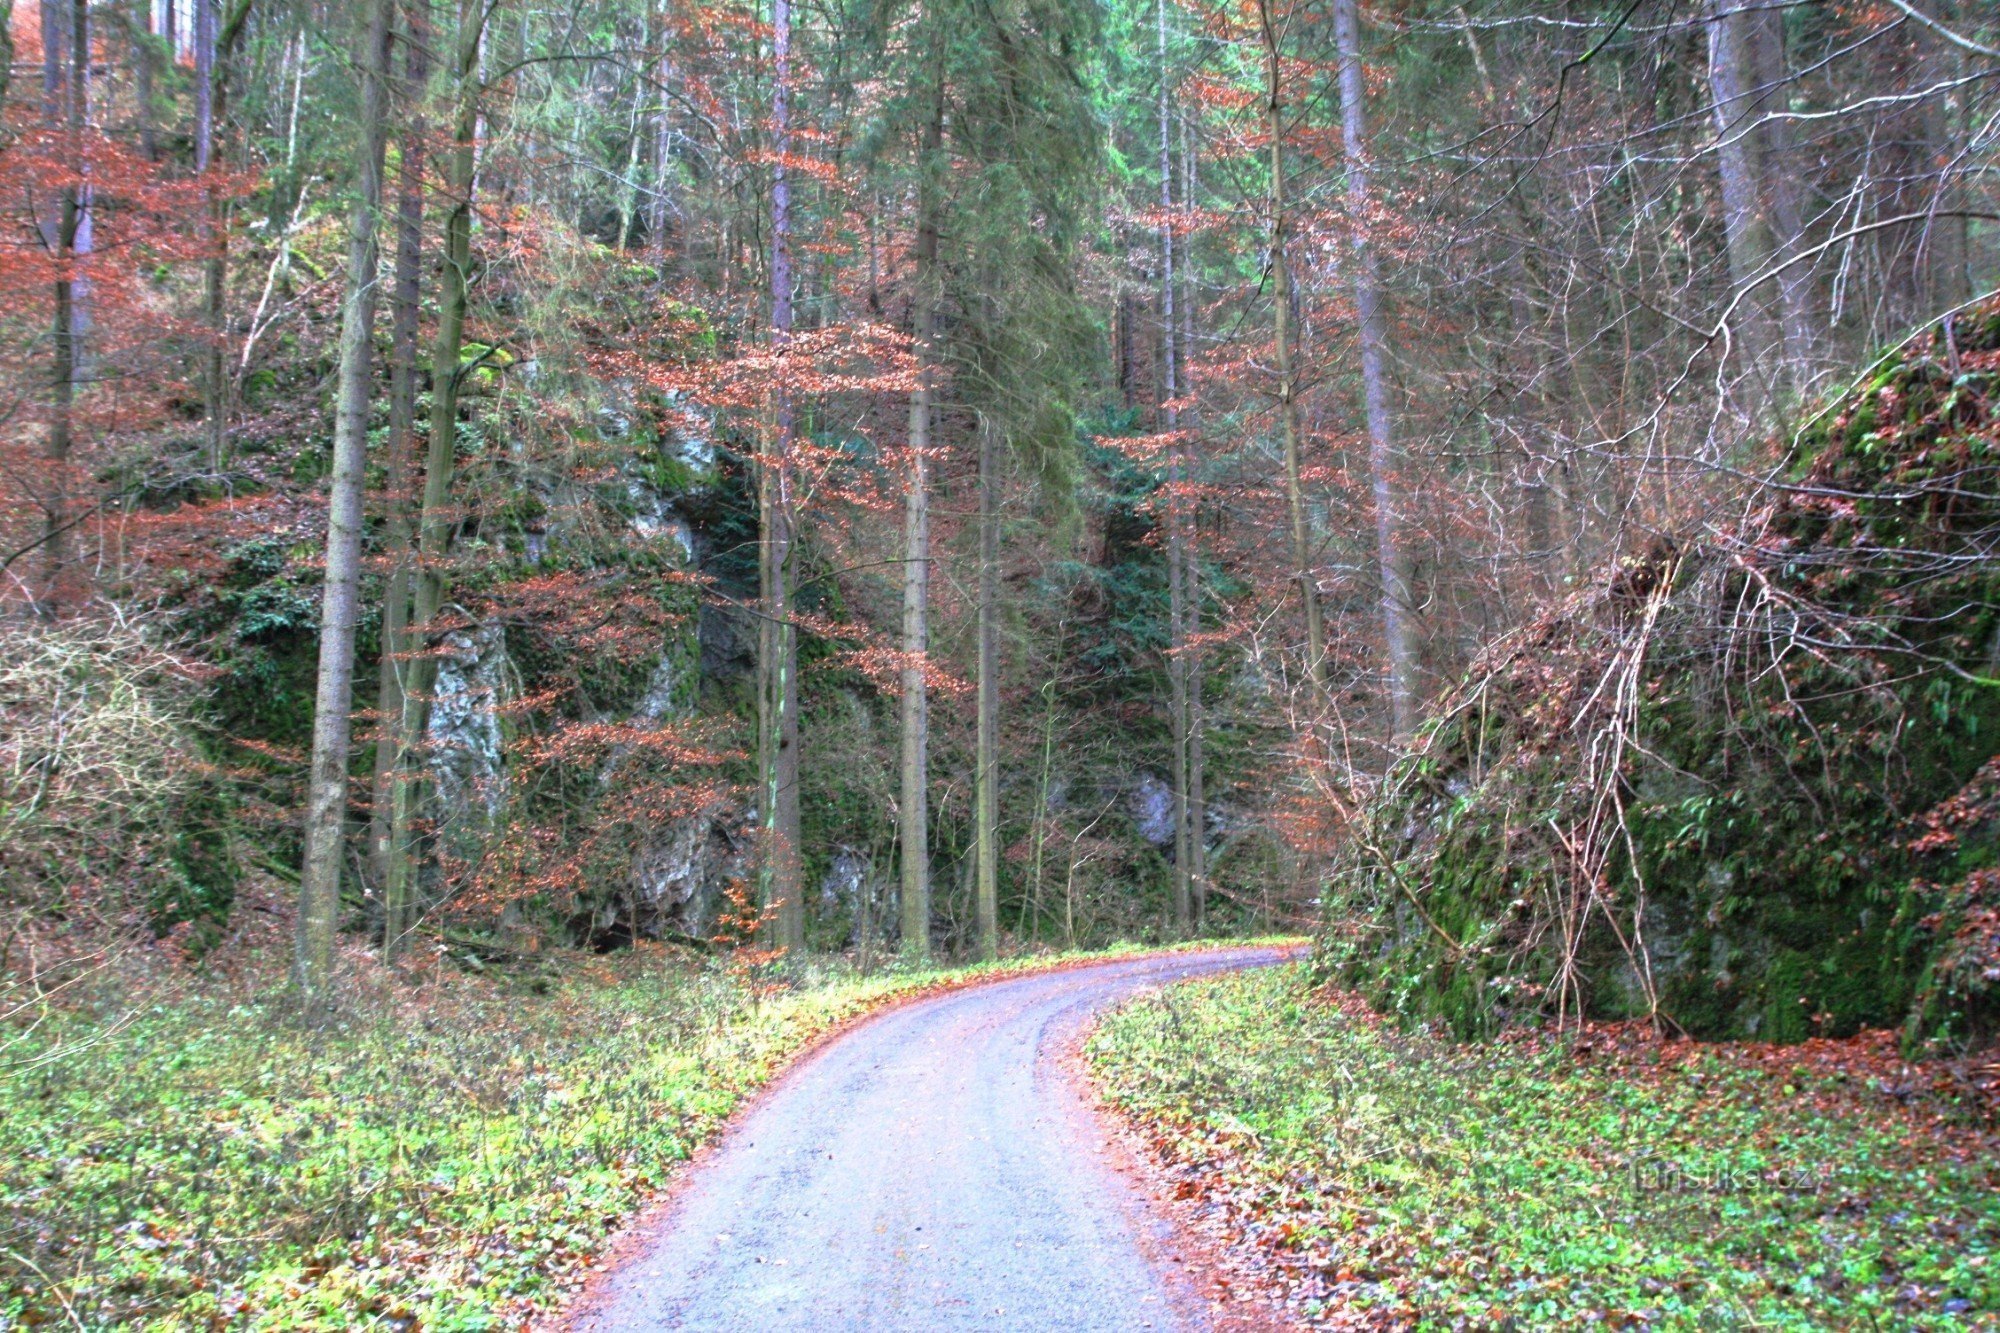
x=1369 y=1176
x=178 y=1151
x=937 y=1168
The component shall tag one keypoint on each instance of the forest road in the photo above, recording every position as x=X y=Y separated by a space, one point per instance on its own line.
x=937 y=1167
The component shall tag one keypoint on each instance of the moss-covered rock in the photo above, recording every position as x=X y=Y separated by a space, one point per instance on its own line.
x=1710 y=787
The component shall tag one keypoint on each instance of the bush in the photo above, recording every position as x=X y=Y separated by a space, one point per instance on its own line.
x=106 y=808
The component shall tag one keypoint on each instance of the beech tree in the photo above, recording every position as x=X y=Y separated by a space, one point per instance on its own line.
x=326 y=798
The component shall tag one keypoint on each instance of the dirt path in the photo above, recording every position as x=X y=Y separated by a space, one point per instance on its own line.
x=936 y=1168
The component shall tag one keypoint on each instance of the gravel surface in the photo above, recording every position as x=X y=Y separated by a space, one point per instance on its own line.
x=935 y=1168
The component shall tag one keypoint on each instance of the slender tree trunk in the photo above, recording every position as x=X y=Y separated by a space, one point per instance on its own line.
x=1397 y=605
x=1177 y=701
x=1281 y=355
x=1784 y=178
x=55 y=59
x=1177 y=679
x=1944 y=240
x=6 y=49
x=59 y=442
x=436 y=520
x=326 y=799
x=215 y=267
x=145 y=72
x=663 y=152
x=1197 y=715
x=66 y=47
x=214 y=44
x=913 y=806
x=628 y=198
x=1197 y=739
x=784 y=895
x=405 y=296
x=1742 y=214
x=986 y=785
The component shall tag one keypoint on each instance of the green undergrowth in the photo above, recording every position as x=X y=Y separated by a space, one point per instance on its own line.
x=1409 y=1180
x=446 y=1157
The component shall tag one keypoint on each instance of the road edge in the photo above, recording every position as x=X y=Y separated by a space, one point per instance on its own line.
x=624 y=1245
x=1196 y=1261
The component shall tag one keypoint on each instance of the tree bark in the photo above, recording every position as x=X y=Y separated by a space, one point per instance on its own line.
x=1177 y=677
x=436 y=521
x=6 y=48
x=326 y=799
x=215 y=384
x=213 y=46
x=1197 y=714
x=1281 y=355
x=1397 y=605
x=65 y=72
x=663 y=152
x=145 y=72
x=913 y=806
x=405 y=297
x=986 y=784
x=783 y=892
x=1748 y=239
x=1783 y=178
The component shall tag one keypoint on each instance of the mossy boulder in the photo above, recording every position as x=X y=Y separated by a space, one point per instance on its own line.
x=1710 y=788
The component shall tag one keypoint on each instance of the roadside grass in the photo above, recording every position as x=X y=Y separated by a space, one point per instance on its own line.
x=445 y=1157
x=1391 y=1179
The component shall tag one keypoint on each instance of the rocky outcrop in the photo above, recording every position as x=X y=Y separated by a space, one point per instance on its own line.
x=468 y=738
x=678 y=874
x=1150 y=802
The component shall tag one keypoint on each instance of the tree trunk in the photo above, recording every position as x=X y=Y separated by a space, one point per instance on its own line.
x=215 y=267
x=1749 y=245
x=436 y=521
x=406 y=295
x=145 y=72
x=783 y=893
x=1784 y=177
x=1197 y=715
x=1396 y=601
x=663 y=153
x=1281 y=355
x=913 y=806
x=986 y=784
x=1197 y=741
x=213 y=47
x=779 y=862
x=1177 y=683
x=6 y=48
x=628 y=198
x=65 y=71
x=55 y=46
x=326 y=799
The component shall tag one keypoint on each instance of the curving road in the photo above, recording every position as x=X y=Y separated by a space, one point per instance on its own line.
x=935 y=1168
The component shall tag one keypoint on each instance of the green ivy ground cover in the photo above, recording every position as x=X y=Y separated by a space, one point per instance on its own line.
x=446 y=1159
x=1403 y=1179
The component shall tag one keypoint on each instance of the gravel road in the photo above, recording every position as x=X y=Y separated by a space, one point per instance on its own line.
x=935 y=1168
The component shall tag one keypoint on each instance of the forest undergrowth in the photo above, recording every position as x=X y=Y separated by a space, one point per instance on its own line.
x=1380 y=1178
x=448 y=1154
